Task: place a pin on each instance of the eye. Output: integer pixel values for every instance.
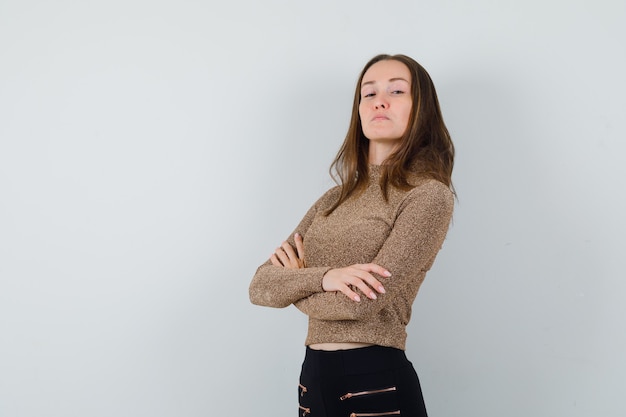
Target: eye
(398, 87)
(368, 93)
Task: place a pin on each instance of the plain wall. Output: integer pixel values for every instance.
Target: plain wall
(154, 153)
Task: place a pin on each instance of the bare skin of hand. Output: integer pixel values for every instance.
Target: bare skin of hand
(286, 257)
(358, 276)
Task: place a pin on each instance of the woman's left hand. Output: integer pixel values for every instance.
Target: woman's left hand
(287, 257)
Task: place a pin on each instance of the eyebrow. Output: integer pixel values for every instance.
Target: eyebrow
(390, 80)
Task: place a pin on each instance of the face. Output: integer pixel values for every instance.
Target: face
(386, 102)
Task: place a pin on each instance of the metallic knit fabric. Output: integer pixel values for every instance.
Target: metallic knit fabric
(403, 234)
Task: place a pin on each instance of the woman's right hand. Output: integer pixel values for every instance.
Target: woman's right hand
(359, 276)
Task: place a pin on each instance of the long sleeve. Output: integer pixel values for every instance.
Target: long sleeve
(408, 253)
(274, 286)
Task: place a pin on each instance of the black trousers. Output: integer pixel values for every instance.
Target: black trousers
(373, 381)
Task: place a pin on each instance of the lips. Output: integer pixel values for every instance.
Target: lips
(378, 117)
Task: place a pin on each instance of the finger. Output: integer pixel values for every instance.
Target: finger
(299, 245)
(350, 294)
(275, 260)
(362, 285)
(377, 269)
(367, 279)
(282, 256)
(291, 254)
(371, 281)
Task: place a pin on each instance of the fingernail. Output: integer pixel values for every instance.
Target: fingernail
(357, 298)
(387, 273)
(297, 234)
(372, 296)
(381, 289)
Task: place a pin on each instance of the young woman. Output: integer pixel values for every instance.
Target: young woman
(355, 262)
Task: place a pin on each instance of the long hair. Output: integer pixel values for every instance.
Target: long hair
(426, 141)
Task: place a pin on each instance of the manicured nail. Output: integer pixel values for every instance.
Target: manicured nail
(297, 234)
(387, 273)
(357, 298)
(372, 296)
(381, 289)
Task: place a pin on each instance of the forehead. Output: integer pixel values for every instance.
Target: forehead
(386, 70)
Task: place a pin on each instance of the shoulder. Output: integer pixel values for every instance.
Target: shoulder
(422, 181)
(429, 195)
(432, 187)
(328, 198)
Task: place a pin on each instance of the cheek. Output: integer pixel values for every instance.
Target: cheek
(361, 113)
(407, 116)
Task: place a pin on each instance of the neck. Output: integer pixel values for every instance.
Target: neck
(379, 151)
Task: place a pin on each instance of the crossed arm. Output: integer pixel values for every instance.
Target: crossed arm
(337, 293)
(336, 279)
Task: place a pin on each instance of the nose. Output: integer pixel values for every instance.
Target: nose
(381, 104)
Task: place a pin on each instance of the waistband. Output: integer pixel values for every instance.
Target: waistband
(353, 361)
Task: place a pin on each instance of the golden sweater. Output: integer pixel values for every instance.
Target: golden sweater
(402, 235)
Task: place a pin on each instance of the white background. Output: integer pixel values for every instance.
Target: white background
(153, 153)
